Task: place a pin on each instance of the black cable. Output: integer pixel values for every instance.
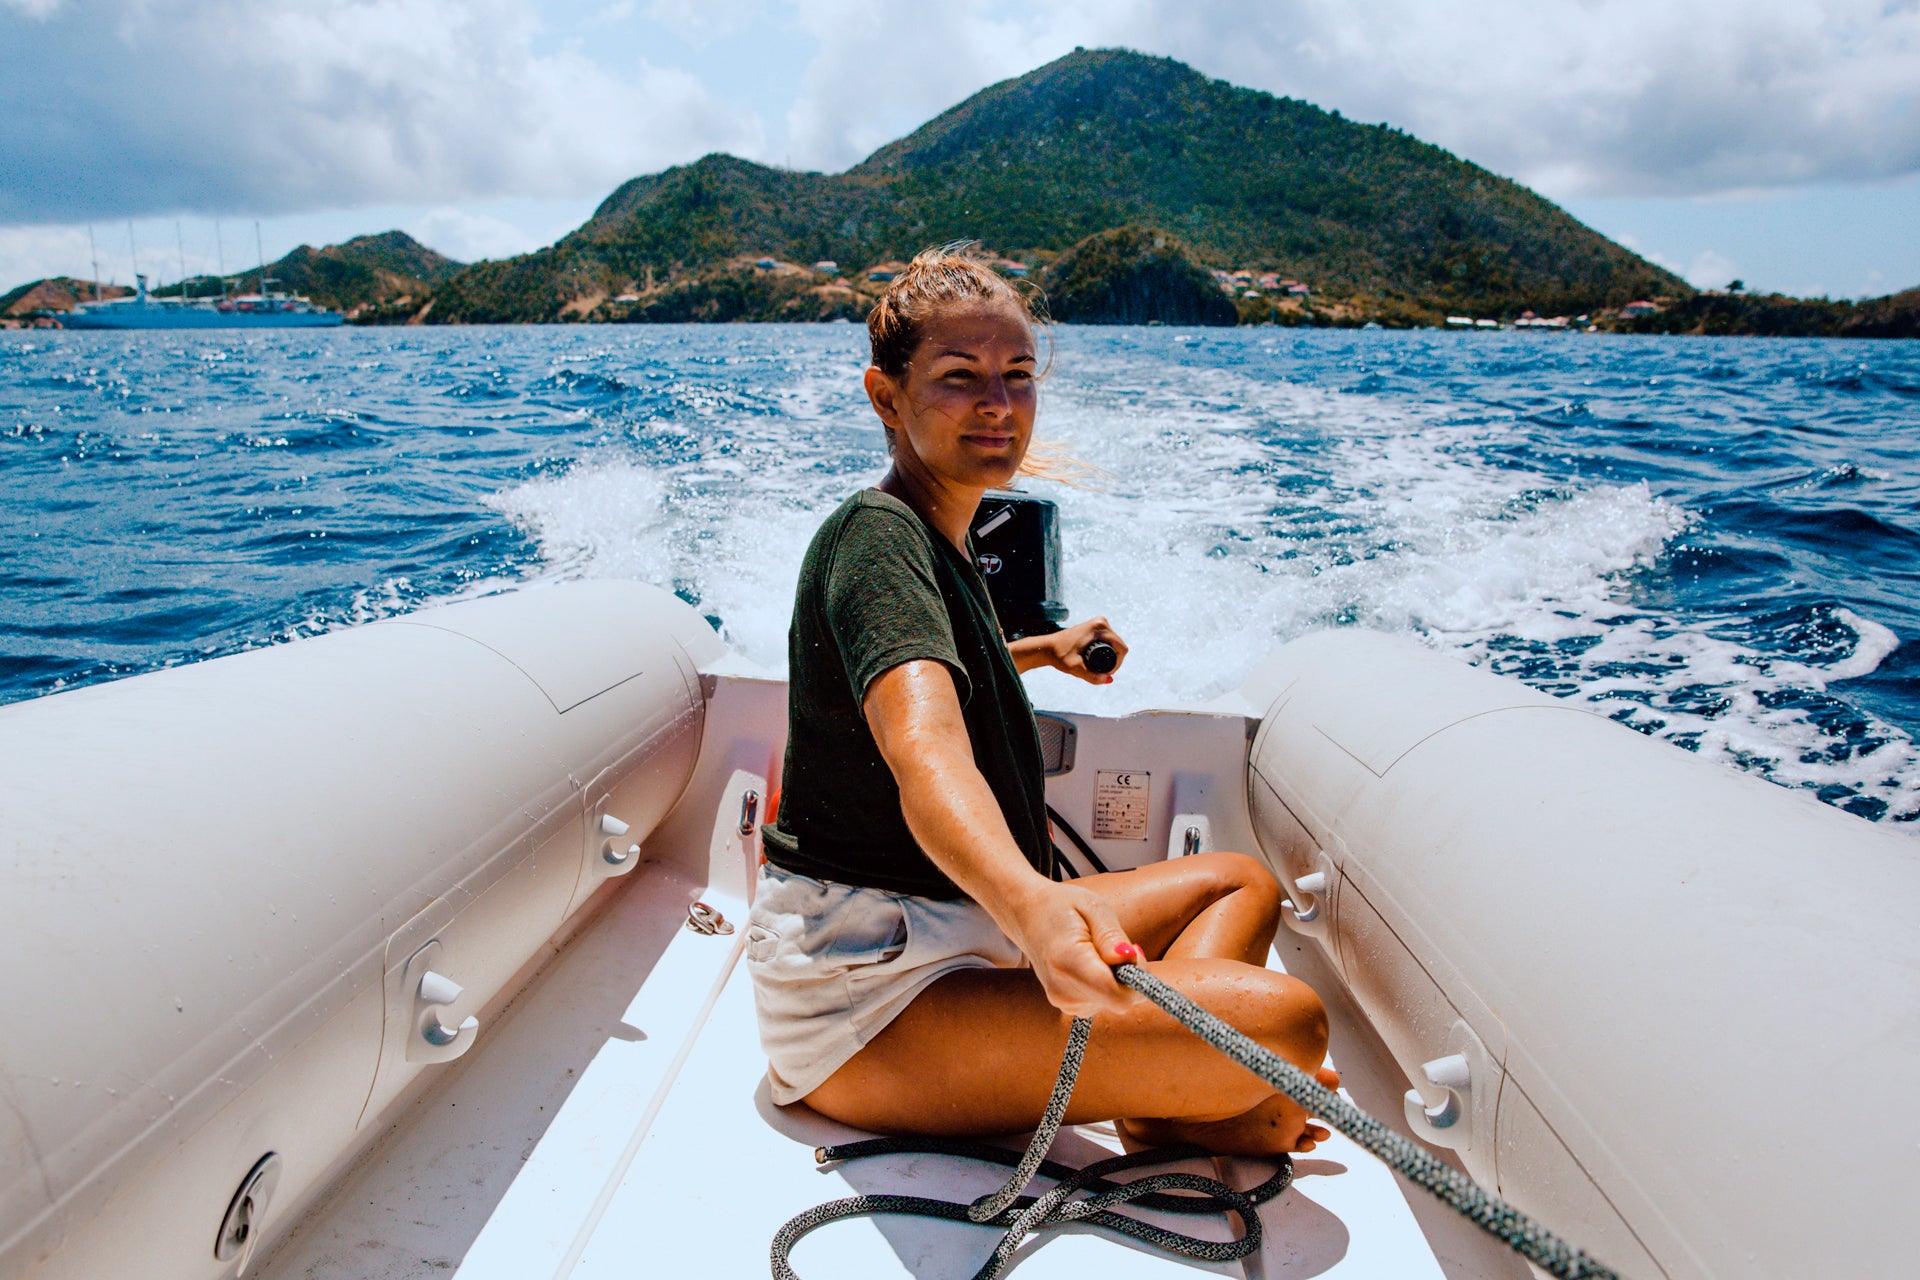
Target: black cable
(1085, 850)
(1062, 863)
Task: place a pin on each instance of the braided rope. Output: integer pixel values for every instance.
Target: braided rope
(987, 1208)
(1021, 1215)
(1490, 1213)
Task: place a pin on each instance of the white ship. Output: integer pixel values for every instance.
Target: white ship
(267, 309)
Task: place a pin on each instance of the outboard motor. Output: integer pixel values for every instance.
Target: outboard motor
(1016, 543)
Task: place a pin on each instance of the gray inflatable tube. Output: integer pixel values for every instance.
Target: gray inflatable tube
(1672, 1010)
(245, 904)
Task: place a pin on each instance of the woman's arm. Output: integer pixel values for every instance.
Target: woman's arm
(1068, 933)
(1061, 650)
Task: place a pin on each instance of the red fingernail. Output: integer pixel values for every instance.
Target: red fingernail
(1128, 951)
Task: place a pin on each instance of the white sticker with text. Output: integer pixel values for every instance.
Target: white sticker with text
(1120, 808)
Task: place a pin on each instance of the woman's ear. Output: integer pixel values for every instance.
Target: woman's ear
(884, 393)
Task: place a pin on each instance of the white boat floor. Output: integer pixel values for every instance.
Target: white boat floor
(593, 1140)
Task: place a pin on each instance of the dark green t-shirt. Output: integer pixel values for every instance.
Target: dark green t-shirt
(879, 587)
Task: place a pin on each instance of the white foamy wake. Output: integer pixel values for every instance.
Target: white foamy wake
(1242, 512)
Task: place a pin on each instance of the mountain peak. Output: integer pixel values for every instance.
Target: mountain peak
(1097, 140)
(1082, 90)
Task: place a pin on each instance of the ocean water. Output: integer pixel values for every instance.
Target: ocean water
(1716, 542)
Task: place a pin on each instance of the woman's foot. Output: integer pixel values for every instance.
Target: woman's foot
(1275, 1127)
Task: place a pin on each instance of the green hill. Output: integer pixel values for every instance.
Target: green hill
(1095, 141)
(385, 277)
(1773, 315)
(56, 293)
(1133, 275)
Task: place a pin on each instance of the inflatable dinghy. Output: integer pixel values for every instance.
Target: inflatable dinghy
(411, 950)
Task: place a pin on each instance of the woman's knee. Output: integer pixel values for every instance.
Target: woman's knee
(1289, 1018)
(1278, 1010)
(1246, 875)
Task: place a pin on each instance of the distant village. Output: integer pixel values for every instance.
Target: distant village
(1280, 293)
(1259, 297)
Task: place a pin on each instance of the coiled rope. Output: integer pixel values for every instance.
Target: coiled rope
(1021, 1215)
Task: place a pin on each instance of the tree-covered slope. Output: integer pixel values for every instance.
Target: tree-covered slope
(1095, 141)
(386, 276)
(1132, 275)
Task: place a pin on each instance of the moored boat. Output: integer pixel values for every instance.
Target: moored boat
(379, 952)
(267, 309)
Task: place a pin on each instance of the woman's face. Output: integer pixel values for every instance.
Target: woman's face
(963, 411)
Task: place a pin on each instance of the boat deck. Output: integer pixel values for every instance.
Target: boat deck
(618, 1124)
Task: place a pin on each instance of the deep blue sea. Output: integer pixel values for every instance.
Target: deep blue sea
(1714, 541)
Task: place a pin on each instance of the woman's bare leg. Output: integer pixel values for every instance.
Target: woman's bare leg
(1222, 906)
(977, 1052)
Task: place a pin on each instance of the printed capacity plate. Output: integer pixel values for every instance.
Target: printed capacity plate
(1120, 808)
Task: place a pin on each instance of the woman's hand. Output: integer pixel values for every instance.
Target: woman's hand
(1062, 650)
(1073, 940)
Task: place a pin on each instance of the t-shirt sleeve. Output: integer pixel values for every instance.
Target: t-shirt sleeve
(883, 603)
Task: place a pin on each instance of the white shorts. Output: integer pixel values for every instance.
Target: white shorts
(833, 964)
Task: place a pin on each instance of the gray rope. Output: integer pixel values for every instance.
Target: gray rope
(987, 1208)
(1490, 1213)
(1022, 1215)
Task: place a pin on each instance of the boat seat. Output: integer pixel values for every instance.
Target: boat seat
(667, 1157)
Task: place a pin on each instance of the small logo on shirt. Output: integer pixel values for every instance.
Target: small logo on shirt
(989, 564)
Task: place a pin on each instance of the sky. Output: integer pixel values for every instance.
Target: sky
(1772, 141)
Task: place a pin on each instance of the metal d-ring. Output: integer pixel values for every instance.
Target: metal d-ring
(702, 918)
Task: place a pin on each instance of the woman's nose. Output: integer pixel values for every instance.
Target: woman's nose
(995, 401)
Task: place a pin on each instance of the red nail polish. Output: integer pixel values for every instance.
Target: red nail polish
(1128, 951)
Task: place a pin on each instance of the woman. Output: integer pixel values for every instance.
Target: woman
(915, 970)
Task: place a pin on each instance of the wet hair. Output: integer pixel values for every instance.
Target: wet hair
(940, 277)
(934, 279)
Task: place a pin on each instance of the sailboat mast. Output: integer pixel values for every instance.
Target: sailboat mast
(263, 257)
(94, 253)
(180, 243)
(133, 250)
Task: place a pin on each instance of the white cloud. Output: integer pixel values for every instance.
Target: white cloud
(28, 253)
(451, 110)
(271, 105)
(1626, 97)
(1710, 269)
(884, 68)
(469, 237)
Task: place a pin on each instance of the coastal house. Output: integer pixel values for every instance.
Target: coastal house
(1270, 280)
(826, 267)
(1634, 310)
(1295, 289)
(1250, 293)
(765, 264)
(1016, 270)
(1459, 322)
(879, 275)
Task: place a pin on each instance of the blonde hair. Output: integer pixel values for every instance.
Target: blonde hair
(938, 278)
